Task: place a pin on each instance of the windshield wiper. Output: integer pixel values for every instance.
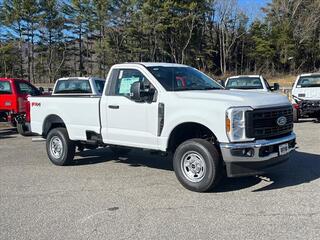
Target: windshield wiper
(197, 89)
(209, 88)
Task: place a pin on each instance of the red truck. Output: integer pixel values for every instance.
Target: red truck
(13, 100)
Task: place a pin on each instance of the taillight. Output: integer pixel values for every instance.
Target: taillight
(21, 105)
(27, 107)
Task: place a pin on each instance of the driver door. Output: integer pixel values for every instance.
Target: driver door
(128, 122)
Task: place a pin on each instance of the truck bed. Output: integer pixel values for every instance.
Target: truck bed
(79, 113)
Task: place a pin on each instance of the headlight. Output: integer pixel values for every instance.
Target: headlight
(236, 124)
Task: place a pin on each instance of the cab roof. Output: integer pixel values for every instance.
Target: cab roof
(81, 78)
(13, 79)
(248, 76)
(309, 74)
(152, 64)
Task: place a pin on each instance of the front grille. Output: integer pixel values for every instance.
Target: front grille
(309, 105)
(262, 123)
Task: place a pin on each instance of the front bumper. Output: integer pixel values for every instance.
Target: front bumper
(310, 108)
(244, 159)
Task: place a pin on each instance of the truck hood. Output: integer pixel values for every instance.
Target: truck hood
(237, 97)
(310, 93)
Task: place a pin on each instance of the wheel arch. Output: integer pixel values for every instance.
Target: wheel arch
(52, 121)
(188, 130)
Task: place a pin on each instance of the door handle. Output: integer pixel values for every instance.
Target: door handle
(114, 106)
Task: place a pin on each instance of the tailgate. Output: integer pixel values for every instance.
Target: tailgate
(7, 102)
(7, 98)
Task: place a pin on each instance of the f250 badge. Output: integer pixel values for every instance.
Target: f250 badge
(281, 121)
(35, 104)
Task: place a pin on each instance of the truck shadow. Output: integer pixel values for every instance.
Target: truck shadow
(301, 168)
(8, 133)
(311, 120)
(136, 158)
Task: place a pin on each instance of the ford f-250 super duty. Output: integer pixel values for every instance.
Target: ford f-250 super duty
(175, 109)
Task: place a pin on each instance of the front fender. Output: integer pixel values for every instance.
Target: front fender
(216, 124)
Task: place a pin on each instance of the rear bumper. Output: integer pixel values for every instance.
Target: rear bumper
(244, 159)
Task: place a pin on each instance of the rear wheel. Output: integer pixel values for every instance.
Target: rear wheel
(60, 148)
(197, 165)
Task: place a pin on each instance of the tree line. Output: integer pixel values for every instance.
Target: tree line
(42, 40)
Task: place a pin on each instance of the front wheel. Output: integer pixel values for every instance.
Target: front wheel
(60, 148)
(197, 165)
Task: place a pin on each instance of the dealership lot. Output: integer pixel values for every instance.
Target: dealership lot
(139, 197)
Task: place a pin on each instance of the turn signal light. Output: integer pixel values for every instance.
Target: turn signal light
(228, 124)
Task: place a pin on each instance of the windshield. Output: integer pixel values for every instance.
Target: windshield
(309, 81)
(5, 87)
(182, 78)
(244, 83)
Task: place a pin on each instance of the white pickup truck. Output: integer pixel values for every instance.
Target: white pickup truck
(306, 96)
(175, 109)
(250, 83)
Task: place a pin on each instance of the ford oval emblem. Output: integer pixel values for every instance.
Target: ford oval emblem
(281, 121)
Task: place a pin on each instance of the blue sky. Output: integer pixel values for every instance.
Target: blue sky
(253, 7)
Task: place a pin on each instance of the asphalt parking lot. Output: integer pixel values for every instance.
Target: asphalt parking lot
(138, 197)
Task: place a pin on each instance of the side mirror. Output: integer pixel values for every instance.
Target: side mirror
(276, 87)
(135, 91)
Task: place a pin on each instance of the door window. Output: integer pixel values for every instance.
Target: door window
(126, 78)
(100, 85)
(267, 84)
(25, 88)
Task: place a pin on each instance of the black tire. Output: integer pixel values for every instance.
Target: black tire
(67, 147)
(210, 157)
(120, 150)
(295, 115)
(22, 130)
